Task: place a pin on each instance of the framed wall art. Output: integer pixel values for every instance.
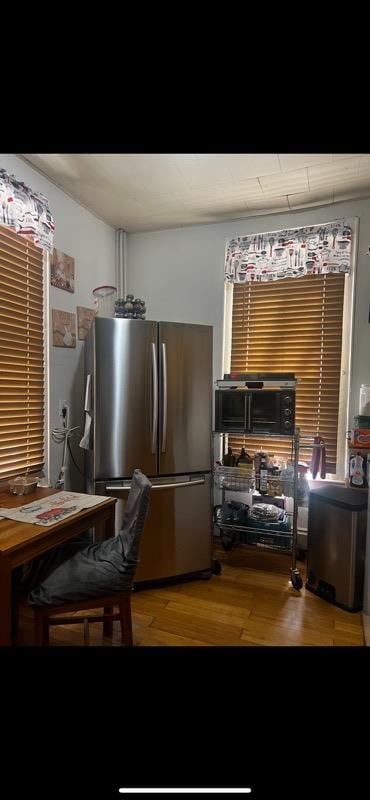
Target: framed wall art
(62, 271)
(85, 317)
(64, 328)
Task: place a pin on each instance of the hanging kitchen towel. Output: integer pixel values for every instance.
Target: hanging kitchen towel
(318, 460)
(87, 440)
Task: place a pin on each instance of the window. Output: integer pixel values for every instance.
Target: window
(21, 355)
(293, 325)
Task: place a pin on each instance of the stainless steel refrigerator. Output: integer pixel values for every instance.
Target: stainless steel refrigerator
(151, 408)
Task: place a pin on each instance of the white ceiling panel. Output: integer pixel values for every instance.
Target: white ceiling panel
(270, 205)
(299, 160)
(344, 192)
(308, 199)
(150, 191)
(206, 171)
(329, 174)
(285, 182)
(252, 165)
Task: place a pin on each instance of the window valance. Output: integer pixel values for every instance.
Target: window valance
(290, 253)
(26, 211)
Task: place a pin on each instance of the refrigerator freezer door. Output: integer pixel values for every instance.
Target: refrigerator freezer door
(185, 398)
(177, 534)
(126, 397)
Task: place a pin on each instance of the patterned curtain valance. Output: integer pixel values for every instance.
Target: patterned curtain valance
(289, 253)
(27, 211)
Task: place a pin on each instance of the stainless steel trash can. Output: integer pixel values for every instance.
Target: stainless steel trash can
(336, 544)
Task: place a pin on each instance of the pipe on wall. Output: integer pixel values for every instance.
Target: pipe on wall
(121, 262)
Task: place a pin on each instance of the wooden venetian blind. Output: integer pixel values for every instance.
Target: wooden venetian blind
(21, 355)
(293, 325)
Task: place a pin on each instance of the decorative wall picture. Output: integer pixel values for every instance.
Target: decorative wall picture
(64, 328)
(85, 317)
(62, 271)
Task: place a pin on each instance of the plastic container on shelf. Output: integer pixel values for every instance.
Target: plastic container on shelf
(104, 300)
(362, 422)
(364, 402)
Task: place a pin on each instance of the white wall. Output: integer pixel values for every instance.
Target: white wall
(179, 273)
(92, 244)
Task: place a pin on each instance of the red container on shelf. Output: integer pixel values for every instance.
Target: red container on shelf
(360, 437)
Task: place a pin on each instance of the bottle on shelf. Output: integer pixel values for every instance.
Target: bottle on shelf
(259, 458)
(229, 459)
(245, 462)
(244, 458)
(263, 474)
(358, 470)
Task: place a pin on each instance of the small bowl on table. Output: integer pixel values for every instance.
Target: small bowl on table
(23, 484)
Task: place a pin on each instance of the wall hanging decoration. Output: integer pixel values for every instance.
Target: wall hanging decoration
(290, 253)
(26, 211)
(62, 271)
(85, 317)
(64, 328)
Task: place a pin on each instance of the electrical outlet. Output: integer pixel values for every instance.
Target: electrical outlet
(63, 411)
(65, 414)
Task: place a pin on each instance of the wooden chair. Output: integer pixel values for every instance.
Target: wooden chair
(98, 577)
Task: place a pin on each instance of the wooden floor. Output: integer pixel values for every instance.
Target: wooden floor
(250, 603)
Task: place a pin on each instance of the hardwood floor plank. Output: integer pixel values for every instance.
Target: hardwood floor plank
(208, 603)
(207, 614)
(150, 637)
(283, 633)
(204, 630)
(142, 620)
(341, 640)
(251, 603)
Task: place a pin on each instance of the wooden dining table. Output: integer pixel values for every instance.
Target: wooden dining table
(21, 541)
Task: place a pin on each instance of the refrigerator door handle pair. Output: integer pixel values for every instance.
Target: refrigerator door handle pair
(155, 397)
(164, 417)
(179, 485)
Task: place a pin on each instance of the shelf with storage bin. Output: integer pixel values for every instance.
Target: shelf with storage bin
(269, 535)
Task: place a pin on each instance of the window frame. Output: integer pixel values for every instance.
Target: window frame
(46, 361)
(346, 354)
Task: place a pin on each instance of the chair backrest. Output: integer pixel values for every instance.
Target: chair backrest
(134, 519)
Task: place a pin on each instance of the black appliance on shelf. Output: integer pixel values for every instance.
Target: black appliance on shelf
(256, 403)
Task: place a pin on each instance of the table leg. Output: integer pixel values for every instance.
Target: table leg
(5, 603)
(108, 533)
(109, 527)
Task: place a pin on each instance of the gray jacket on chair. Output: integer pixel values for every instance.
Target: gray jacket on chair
(103, 568)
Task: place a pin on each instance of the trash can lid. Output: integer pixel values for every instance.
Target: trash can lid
(343, 496)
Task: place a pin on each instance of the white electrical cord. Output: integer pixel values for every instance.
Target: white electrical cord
(61, 436)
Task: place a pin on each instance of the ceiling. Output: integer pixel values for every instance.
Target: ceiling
(144, 192)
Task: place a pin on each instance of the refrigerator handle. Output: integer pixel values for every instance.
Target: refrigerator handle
(183, 484)
(179, 485)
(164, 391)
(155, 398)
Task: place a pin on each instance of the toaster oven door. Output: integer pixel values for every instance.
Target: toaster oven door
(232, 411)
(266, 412)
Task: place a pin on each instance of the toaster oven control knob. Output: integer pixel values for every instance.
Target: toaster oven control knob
(287, 401)
(287, 427)
(287, 412)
